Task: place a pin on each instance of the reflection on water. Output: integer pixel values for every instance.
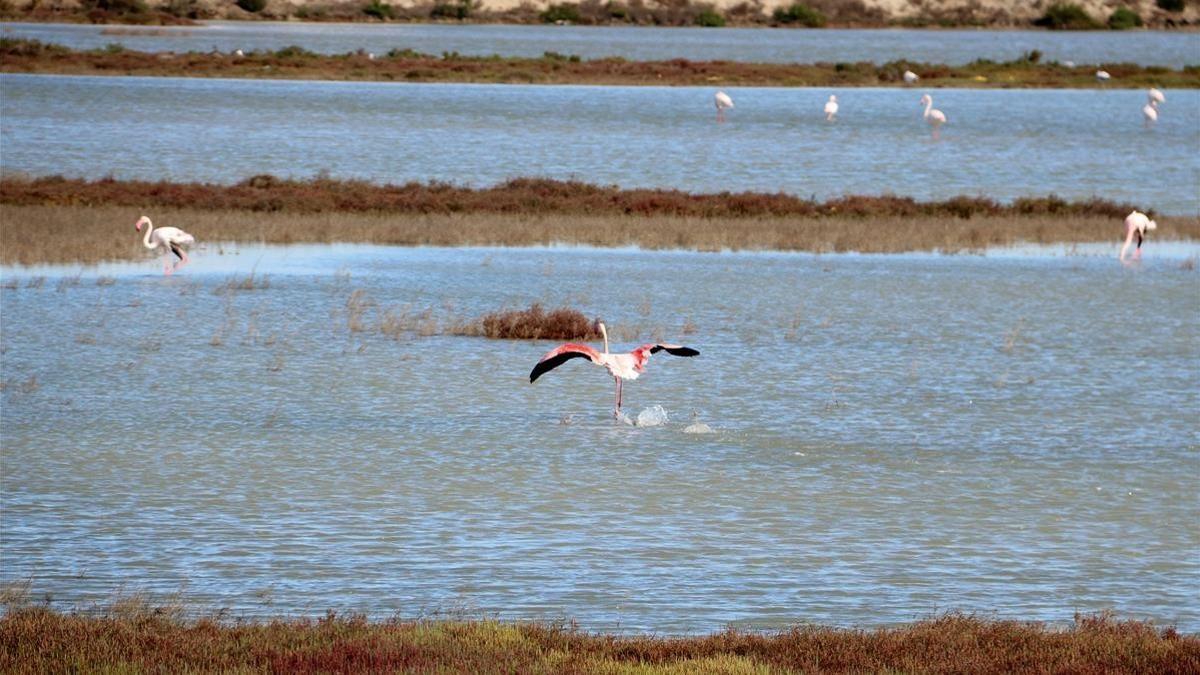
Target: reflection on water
(892, 436)
(998, 143)
(1174, 49)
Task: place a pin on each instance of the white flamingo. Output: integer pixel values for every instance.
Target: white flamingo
(935, 118)
(1150, 113)
(1155, 95)
(831, 108)
(1102, 76)
(621, 366)
(910, 77)
(1136, 225)
(722, 101)
(170, 239)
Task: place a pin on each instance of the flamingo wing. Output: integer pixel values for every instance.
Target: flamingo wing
(560, 355)
(673, 350)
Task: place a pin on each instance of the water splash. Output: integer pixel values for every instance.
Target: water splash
(698, 428)
(653, 416)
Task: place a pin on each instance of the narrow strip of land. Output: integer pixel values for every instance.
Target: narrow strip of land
(56, 220)
(140, 639)
(403, 65)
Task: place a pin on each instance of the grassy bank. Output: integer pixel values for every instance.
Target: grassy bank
(138, 639)
(55, 220)
(403, 65)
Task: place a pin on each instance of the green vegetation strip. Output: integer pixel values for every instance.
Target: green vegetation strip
(405, 65)
(136, 639)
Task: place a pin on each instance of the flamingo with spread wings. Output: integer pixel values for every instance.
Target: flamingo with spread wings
(625, 366)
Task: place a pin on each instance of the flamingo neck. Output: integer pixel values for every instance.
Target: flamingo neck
(928, 107)
(146, 239)
(604, 333)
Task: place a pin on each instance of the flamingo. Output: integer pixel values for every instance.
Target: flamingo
(910, 77)
(1150, 113)
(936, 118)
(1102, 76)
(620, 366)
(722, 101)
(1136, 224)
(170, 238)
(831, 108)
(1155, 95)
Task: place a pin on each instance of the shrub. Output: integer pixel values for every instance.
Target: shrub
(710, 18)
(293, 52)
(460, 9)
(252, 6)
(537, 324)
(1123, 19)
(1066, 16)
(801, 14)
(1170, 5)
(561, 12)
(379, 10)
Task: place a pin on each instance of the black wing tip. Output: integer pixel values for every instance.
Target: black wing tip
(675, 351)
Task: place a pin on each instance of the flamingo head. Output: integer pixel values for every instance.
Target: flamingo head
(926, 100)
(833, 98)
(1151, 225)
(141, 221)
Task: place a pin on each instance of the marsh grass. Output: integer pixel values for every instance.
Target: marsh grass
(250, 282)
(31, 56)
(536, 323)
(135, 636)
(77, 234)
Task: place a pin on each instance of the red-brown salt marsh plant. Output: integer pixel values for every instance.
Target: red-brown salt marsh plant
(536, 323)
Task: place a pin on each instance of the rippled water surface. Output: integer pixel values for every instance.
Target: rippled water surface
(640, 43)
(998, 143)
(893, 436)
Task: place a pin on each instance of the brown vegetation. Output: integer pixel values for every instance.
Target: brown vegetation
(137, 638)
(536, 323)
(61, 225)
(31, 56)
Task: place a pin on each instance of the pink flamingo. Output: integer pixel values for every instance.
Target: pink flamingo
(620, 366)
(1136, 225)
(936, 118)
(722, 101)
(1150, 113)
(831, 108)
(170, 239)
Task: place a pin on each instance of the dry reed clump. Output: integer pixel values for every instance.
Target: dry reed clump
(138, 638)
(536, 323)
(17, 55)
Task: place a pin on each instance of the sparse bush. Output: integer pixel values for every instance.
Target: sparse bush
(710, 18)
(1066, 16)
(537, 324)
(379, 10)
(252, 6)
(459, 9)
(1031, 56)
(801, 14)
(1171, 5)
(561, 12)
(1123, 19)
(289, 52)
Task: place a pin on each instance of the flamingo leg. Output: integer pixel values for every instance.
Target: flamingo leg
(183, 256)
(617, 400)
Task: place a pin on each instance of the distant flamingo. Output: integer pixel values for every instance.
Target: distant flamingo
(170, 239)
(620, 366)
(1155, 95)
(936, 118)
(1136, 225)
(722, 101)
(1150, 113)
(1102, 76)
(831, 108)
(910, 77)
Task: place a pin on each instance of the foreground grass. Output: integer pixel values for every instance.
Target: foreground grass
(31, 56)
(136, 639)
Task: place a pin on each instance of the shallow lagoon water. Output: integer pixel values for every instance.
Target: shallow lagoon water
(998, 143)
(1174, 49)
(894, 436)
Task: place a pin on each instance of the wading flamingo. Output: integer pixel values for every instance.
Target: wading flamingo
(1150, 113)
(170, 239)
(1136, 225)
(620, 366)
(722, 101)
(936, 118)
(910, 77)
(831, 108)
